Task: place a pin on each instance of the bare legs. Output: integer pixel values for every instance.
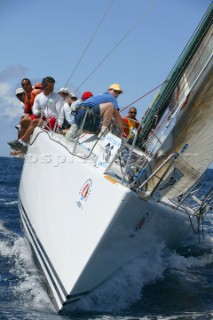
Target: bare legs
(108, 111)
(34, 123)
(24, 125)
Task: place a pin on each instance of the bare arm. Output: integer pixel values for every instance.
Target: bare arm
(118, 120)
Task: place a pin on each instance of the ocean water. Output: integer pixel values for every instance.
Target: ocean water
(163, 285)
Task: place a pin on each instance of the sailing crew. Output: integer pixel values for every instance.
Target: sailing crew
(47, 110)
(130, 123)
(74, 106)
(20, 94)
(73, 103)
(100, 106)
(38, 86)
(31, 93)
(65, 95)
(27, 95)
(86, 95)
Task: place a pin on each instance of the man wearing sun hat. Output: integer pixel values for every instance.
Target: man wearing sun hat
(101, 106)
(63, 90)
(72, 105)
(21, 94)
(68, 107)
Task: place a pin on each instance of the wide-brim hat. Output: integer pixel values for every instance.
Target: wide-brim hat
(63, 90)
(73, 95)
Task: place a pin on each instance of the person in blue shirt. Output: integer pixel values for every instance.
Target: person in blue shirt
(103, 106)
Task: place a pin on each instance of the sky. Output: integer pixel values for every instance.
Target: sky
(87, 45)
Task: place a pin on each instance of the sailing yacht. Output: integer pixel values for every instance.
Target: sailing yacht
(87, 212)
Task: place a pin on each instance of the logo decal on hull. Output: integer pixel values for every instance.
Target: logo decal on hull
(139, 224)
(84, 193)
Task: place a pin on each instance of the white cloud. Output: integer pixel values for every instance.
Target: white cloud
(11, 72)
(9, 104)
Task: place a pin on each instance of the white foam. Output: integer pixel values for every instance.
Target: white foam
(124, 288)
(118, 293)
(28, 288)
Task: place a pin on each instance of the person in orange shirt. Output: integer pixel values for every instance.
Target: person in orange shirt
(28, 103)
(130, 122)
(30, 95)
(28, 100)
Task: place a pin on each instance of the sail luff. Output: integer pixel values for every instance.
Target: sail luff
(194, 129)
(159, 106)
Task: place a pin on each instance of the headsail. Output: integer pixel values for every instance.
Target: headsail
(193, 129)
(184, 113)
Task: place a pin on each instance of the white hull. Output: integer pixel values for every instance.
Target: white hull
(83, 225)
(79, 237)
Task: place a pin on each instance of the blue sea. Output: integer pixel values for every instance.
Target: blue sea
(162, 285)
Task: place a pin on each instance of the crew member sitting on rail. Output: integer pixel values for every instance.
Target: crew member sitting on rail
(47, 110)
(130, 122)
(74, 103)
(101, 106)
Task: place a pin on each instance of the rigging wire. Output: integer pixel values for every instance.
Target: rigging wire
(143, 96)
(118, 43)
(89, 43)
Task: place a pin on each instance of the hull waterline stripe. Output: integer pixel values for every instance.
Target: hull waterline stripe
(42, 253)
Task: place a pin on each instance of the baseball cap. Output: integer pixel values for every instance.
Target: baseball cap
(19, 91)
(116, 86)
(86, 95)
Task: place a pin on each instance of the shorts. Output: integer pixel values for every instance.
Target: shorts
(93, 119)
(51, 124)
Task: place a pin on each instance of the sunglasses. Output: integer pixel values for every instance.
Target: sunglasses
(117, 91)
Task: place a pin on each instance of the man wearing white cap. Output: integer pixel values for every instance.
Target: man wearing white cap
(64, 92)
(67, 108)
(21, 94)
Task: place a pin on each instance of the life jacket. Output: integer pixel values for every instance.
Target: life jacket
(128, 125)
(29, 100)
